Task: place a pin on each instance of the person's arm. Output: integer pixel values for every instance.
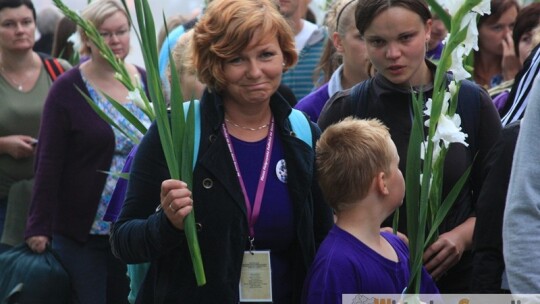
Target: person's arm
(521, 225)
(488, 262)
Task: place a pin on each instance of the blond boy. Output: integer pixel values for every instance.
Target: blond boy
(358, 172)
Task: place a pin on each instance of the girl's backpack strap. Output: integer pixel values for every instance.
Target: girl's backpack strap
(52, 66)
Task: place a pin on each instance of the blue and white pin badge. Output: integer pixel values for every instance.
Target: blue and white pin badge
(281, 171)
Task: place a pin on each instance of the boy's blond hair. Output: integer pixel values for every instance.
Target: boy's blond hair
(350, 154)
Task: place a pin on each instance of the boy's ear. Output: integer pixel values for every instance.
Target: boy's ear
(381, 183)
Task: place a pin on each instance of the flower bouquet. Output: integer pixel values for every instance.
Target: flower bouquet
(426, 153)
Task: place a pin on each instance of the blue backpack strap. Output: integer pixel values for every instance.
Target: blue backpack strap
(197, 139)
(301, 127)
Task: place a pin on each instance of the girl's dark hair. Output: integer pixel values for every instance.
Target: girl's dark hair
(498, 7)
(62, 48)
(367, 10)
(16, 3)
(527, 19)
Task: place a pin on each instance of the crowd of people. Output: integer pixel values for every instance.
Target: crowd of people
(304, 136)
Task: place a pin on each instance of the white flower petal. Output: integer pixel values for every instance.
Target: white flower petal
(449, 131)
(452, 6)
(456, 67)
(75, 39)
(483, 8)
(423, 148)
(452, 87)
(429, 104)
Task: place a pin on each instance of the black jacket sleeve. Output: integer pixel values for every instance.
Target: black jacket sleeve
(488, 262)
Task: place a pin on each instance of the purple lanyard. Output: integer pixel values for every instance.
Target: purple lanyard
(253, 215)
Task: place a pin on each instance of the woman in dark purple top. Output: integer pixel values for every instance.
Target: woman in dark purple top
(76, 147)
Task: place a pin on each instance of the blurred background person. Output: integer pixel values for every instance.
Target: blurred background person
(496, 60)
(46, 21)
(344, 62)
(76, 148)
(191, 87)
(310, 40)
(24, 83)
(526, 36)
(435, 43)
(172, 23)
(62, 46)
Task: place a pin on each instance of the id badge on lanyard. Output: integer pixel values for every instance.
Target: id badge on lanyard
(256, 277)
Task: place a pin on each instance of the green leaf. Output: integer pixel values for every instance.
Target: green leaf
(412, 192)
(106, 117)
(447, 204)
(116, 174)
(171, 130)
(127, 114)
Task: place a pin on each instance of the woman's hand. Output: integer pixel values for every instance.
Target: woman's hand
(448, 249)
(38, 243)
(176, 201)
(510, 64)
(17, 146)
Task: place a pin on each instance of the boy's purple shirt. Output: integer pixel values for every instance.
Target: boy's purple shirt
(119, 193)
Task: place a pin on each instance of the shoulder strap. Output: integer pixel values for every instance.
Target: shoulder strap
(359, 97)
(301, 127)
(52, 66)
(197, 138)
(469, 109)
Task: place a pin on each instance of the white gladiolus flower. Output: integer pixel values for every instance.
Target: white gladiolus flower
(452, 88)
(436, 152)
(452, 6)
(471, 41)
(449, 131)
(483, 8)
(457, 69)
(75, 39)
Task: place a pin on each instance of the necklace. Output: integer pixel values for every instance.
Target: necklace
(247, 128)
(19, 85)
